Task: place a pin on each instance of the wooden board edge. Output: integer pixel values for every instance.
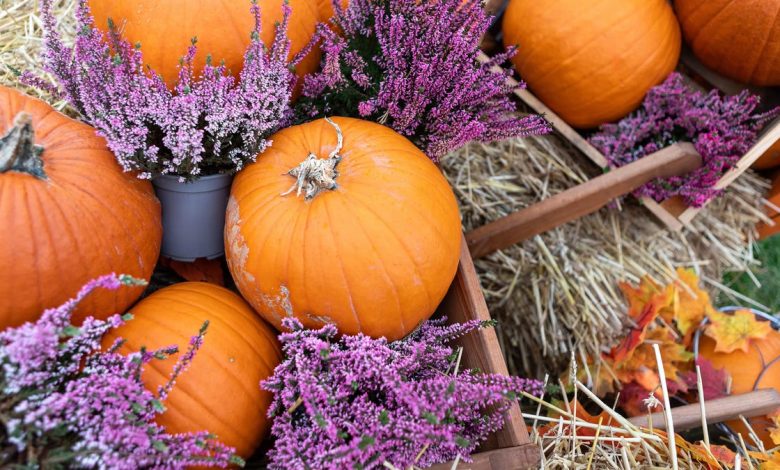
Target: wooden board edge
(526, 456)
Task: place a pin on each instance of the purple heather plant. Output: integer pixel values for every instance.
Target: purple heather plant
(358, 402)
(721, 128)
(207, 124)
(414, 66)
(65, 403)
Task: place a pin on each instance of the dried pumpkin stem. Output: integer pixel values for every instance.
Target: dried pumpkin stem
(314, 174)
(18, 151)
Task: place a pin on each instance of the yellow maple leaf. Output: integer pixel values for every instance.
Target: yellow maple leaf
(732, 331)
(774, 431)
(691, 303)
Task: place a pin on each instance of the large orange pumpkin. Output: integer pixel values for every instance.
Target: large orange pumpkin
(753, 370)
(737, 38)
(223, 28)
(220, 391)
(592, 62)
(375, 253)
(68, 214)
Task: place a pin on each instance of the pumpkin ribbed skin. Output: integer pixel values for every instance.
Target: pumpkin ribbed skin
(376, 255)
(220, 391)
(86, 219)
(758, 368)
(737, 38)
(592, 62)
(165, 29)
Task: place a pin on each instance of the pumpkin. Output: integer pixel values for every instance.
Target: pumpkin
(736, 38)
(68, 214)
(371, 247)
(592, 62)
(756, 369)
(220, 391)
(223, 28)
(770, 158)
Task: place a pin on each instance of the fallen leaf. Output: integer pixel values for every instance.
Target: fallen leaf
(645, 303)
(692, 304)
(713, 380)
(732, 331)
(200, 270)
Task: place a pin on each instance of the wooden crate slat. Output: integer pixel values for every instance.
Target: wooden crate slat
(481, 349)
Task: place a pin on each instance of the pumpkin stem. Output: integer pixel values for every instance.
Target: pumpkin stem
(18, 151)
(316, 174)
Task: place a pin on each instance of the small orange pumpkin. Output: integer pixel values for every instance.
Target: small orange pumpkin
(372, 248)
(756, 369)
(592, 62)
(165, 28)
(220, 391)
(737, 38)
(68, 214)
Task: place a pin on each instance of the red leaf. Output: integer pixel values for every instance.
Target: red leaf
(713, 380)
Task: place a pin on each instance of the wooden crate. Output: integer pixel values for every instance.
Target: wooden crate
(673, 213)
(510, 448)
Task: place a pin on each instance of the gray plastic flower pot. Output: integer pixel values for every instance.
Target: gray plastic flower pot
(193, 216)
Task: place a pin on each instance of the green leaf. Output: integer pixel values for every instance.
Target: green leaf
(158, 406)
(71, 330)
(431, 418)
(384, 417)
(366, 441)
(160, 445)
(462, 441)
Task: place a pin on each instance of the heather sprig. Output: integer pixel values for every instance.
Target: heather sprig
(722, 128)
(65, 403)
(414, 67)
(209, 123)
(357, 402)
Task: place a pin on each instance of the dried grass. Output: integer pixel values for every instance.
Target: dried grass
(557, 294)
(20, 41)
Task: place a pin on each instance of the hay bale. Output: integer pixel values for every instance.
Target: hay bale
(21, 42)
(557, 294)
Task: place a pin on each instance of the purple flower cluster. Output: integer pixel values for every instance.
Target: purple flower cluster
(213, 123)
(358, 402)
(65, 403)
(721, 128)
(414, 66)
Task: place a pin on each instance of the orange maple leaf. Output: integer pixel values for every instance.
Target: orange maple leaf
(774, 431)
(732, 331)
(645, 303)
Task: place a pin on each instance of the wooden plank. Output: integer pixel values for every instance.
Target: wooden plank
(581, 200)
(481, 349)
(756, 403)
(510, 458)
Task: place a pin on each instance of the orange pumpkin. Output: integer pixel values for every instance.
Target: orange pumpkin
(770, 158)
(756, 369)
(165, 28)
(373, 253)
(737, 38)
(68, 214)
(220, 391)
(592, 62)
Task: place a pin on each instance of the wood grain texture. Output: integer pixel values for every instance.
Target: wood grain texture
(757, 403)
(581, 200)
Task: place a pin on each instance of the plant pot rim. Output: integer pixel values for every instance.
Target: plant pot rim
(200, 185)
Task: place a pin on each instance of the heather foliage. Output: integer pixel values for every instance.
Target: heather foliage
(358, 402)
(413, 66)
(721, 128)
(67, 404)
(211, 123)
